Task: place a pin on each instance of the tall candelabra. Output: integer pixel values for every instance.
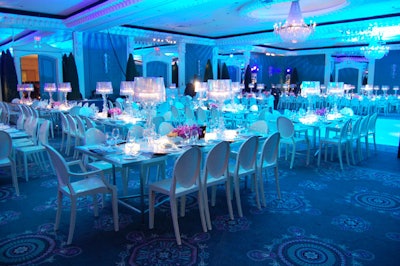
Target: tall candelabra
(104, 88)
(149, 91)
(50, 88)
(219, 90)
(127, 88)
(65, 87)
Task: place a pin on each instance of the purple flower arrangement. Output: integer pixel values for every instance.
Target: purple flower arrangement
(115, 111)
(321, 112)
(185, 131)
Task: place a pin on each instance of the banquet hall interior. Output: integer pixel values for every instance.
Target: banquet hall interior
(199, 132)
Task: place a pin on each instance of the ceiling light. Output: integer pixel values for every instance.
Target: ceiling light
(294, 29)
(375, 50)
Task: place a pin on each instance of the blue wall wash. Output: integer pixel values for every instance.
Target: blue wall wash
(105, 60)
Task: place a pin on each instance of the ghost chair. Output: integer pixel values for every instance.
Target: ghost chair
(91, 183)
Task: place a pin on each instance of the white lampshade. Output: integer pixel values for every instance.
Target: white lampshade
(219, 89)
(127, 88)
(20, 87)
(149, 90)
(104, 87)
(64, 87)
(50, 87)
(28, 87)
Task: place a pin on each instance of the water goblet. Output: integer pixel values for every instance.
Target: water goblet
(115, 135)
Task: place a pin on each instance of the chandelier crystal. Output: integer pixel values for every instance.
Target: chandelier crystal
(376, 49)
(294, 30)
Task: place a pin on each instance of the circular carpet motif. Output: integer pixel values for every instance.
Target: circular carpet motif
(224, 223)
(298, 249)
(379, 201)
(350, 223)
(8, 216)
(26, 249)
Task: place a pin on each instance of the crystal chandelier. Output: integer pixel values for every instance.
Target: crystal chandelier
(294, 29)
(375, 50)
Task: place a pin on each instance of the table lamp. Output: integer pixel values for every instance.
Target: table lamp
(149, 91)
(29, 88)
(65, 87)
(128, 88)
(104, 88)
(50, 88)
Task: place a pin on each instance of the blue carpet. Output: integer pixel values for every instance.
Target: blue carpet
(325, 217)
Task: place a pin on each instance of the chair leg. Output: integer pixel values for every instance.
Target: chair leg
(174, 214)
(237, 195)
(340, 156)
(152, 199)
(25, 159)
(293, 155)
(254, 178)
(14, 178)
(207, 209)
(261, 185)
(278, 189)
(114, 201)
(229, 198)
(200, 201)
(72, 220)
(59, 210)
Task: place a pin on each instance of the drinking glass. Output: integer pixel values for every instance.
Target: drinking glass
(194, 136)
(115, 135)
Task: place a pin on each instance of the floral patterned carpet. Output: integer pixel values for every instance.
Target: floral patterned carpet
(325, 217)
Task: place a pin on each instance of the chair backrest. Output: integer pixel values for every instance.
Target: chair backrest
(285, 127)
(201, 116)
(189, 114)
(372, 122)
(6, 145)
(72, 126)
(80, 126)
(165, 128)
(167, 116)
(157, 120)
(259, 126)
(94, 136)
(20, 122)
(247, 154)
(43, 133)
(364, 125)
(186, 169)
(60, 166)
(64, 122)
(89, 122)
(217, 161)
(75, 110)
(344, 130)
(136, 131)
(355, 128)
(270, 149)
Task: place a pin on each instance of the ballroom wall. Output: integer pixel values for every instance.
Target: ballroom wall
(196, 60)
(387, 70)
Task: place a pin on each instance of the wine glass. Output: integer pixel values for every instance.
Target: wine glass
(186, 133)
(115, 135)
(194, 136)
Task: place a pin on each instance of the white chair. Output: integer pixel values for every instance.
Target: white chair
(165, 128)
(72, 132)
(91, 184)
(354, 136)
(371, 131)
(259, 126)
(6, 158)
(290, 136)
(215, 173)
(243, 166)
(64, 131)
(339, 141)
(185, 180)
(35, 151)
(362, 134)
(268, 160)
(80, 133)
(201, 116)
(156, 121)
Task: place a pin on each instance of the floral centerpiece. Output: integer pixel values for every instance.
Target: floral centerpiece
(212, 106)
(184, 131)
(114, 111)
(321, 112)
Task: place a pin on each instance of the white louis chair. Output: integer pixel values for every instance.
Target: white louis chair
(339, 141)
(290, 136)
(268, 160)
(185, 180)
(6, 158)
(215, 172)
(36, 152)
(91, 184)
(243, 166)
(165, 128)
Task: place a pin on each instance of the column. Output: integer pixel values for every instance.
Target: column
(328, 69)
(78, 54)
(181, 67)
(214, 62)
(371, 71)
